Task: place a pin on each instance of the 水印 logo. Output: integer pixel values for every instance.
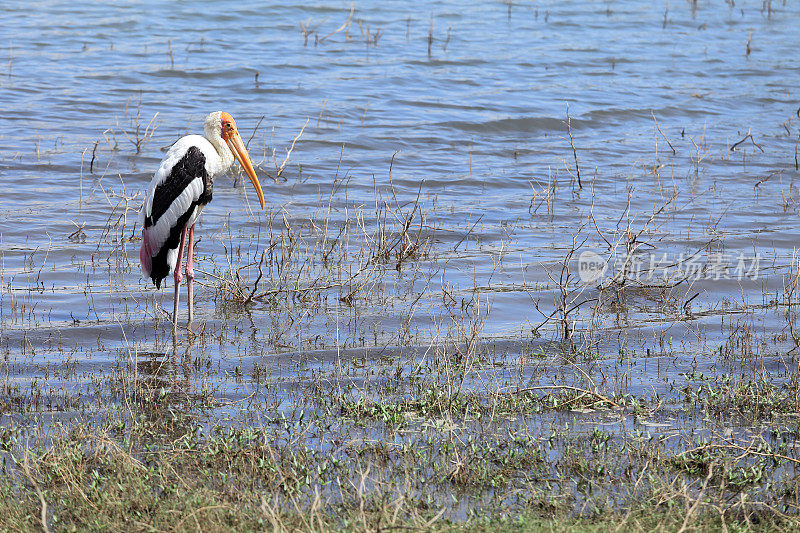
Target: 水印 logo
(591, 266)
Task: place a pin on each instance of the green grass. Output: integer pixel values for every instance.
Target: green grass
(132, 476)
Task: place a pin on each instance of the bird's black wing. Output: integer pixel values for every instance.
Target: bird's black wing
(163, 226)
(190, 167)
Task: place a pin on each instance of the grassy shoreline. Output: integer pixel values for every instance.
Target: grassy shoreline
(432, 461)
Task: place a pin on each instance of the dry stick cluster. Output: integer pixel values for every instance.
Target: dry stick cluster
(568, 297)
(370, 37)
(626, 247)
(308, 261)
(574, 151)
(134, 132)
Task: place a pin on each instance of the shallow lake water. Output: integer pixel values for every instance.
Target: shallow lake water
(488, 143)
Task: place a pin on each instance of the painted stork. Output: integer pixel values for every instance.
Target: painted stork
(179, 190)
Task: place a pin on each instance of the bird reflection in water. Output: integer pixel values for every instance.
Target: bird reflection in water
(166, 402)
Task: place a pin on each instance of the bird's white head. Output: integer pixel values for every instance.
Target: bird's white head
(220, 129)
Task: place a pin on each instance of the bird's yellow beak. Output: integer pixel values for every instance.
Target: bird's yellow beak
(240, 153)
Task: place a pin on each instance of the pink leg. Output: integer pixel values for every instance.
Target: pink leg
(190, 273)
(178, 279)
